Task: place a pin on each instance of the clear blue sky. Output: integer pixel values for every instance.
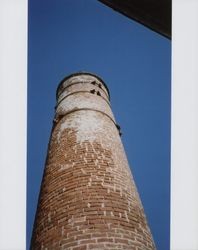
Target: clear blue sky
(66, 36)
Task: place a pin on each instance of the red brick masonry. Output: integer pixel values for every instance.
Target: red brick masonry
(88, 198)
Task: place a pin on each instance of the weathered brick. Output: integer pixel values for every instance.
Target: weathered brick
(80, 247)
(88, 199)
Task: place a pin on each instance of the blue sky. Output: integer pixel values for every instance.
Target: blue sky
(68, 36)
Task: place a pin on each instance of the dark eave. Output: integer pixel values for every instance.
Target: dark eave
(154, 14)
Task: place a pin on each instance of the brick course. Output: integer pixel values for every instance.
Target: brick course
(88, 198)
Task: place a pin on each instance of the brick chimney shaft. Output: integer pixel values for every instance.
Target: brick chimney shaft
(88, 198)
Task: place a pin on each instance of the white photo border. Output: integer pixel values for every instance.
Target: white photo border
(13, 126)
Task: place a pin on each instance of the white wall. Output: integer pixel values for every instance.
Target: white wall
(13, 84)
(184, 161)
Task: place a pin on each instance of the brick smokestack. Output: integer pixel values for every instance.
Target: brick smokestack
(88, 198)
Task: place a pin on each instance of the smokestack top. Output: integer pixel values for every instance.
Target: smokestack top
(81, 73)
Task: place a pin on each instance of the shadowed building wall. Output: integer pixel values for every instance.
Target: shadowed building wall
(88, 198)
(154, 14)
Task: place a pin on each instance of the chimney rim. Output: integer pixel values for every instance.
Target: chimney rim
(77, 74)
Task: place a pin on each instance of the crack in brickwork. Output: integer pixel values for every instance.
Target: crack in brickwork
(88, 198)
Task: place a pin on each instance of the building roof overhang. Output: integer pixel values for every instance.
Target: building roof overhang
(154, 14)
